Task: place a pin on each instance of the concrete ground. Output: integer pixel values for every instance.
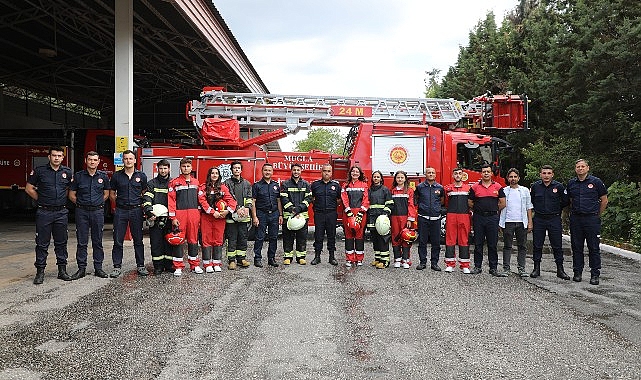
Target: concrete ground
(314, 322)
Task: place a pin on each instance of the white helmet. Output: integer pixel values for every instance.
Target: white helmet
(159, 210)
(236, 217)
(295, 223)
(383, 225)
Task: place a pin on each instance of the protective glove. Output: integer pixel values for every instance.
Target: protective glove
(349, 213)
(296, 210)
(359, 217)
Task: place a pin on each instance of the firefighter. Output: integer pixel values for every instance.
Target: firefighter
(127, 188)
(267, 215)
(429, 198)
(403, 216)
(549, 199)
(48, 185)
(355, 199)
(588, 200)
(326, 194)
(295, 196)
(89, 191)
(380, 203)
(216, 203)
(457, 223)
(156, 194)
(183, 210)
(237, 228)
(486, 198)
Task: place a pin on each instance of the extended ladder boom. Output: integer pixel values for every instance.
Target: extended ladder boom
(293, 112)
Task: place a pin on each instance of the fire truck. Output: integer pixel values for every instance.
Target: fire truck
(23, 154)
(383, 134)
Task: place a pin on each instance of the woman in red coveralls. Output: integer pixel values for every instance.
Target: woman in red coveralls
(216, 203)
(403, 215)
(356, 201)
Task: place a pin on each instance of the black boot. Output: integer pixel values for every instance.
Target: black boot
(80, 273)
(317, 258)
(332, 259)
(272, 262)
(560, 273)
(62, 273)
(577, 276)
(40, 276)
(537, 270)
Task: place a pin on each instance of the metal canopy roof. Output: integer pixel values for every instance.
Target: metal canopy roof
(65, 49)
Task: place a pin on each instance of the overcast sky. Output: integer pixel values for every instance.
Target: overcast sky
(372, 48)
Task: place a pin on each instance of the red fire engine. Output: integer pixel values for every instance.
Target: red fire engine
(384, 134)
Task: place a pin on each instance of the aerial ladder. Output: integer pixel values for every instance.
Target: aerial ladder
(280, 115)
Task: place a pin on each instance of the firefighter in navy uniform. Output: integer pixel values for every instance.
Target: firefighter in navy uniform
(295, 196)
(549, 199)
(588, 199)
(429, 197)
(48, 185)
(266, 215)
(237, 228)
(89, 191)
(156, 194)
(127, 187)
(326, 194)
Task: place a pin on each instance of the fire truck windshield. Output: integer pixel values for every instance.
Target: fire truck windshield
(473, 156)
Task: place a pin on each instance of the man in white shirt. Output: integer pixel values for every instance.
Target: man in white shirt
(515, 220)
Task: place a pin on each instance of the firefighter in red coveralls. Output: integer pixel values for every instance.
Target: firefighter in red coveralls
(403, 216)
(183, 210)
(457, 224)
(356, 202)
(216, 203)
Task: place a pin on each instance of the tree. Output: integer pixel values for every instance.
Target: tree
(326, 139)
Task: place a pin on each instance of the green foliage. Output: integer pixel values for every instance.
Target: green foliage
(622, 217)
(432, 83)
(325, 139)
(561, 154)
(579, 63)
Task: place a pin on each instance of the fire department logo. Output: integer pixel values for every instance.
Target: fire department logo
(464, 177)
(137, 179)
(555, 190)
(99, 180)
(64, 175)
(225, 171)
(16, 163)
(398, 154)
(590, 185)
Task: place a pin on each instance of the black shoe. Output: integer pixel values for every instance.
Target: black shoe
(62, 273)
(258, 263)
(332, 261)
(80, 273)
(594, 280)
(40, 276)
(98, 272)
(537, 270)
(477, 270)
(272, 262)
(577, 277)
(316, 260)
(435, 267)
(495, 272)
(560, 273)
(158, 271)
(421, 266)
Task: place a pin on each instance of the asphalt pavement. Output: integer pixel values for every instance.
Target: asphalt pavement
(315, 322)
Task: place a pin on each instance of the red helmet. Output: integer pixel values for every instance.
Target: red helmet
(221, 205)
(351, 223)
(408, 235)
(175, 237)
